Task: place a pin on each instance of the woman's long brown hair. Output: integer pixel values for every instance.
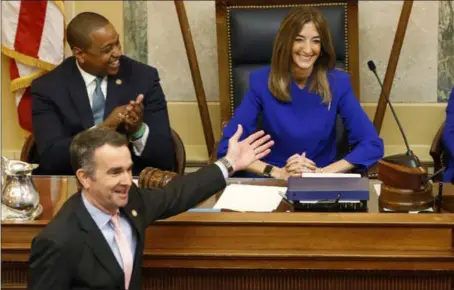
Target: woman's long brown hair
(282, 61)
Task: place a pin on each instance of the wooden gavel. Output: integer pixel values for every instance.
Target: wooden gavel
(152, 177)
(404, 188)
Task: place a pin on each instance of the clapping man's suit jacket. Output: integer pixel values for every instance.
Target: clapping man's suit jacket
(61, 109)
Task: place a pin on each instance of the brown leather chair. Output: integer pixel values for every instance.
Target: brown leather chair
(28, 152)
(437, 152)
(180, 153)
(439, 156)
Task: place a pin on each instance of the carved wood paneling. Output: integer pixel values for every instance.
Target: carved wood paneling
(203, 279)
(14, 276)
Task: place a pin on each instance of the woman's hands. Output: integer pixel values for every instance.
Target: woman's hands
(297, 164)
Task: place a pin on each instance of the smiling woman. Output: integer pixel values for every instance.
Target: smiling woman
(298, 99)
(311, 42)
(305, 51)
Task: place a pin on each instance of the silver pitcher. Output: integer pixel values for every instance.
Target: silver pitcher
(20, 199)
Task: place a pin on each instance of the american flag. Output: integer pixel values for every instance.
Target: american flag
(33, 35)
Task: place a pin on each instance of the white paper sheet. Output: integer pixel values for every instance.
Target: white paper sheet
(377, 188)
(256, 198)
(340, 201)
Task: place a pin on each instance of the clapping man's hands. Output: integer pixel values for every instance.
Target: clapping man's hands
(131, 115)
(116, 117)
(134, 115)
(253, 148)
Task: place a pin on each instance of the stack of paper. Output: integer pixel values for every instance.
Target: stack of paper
(256, 198)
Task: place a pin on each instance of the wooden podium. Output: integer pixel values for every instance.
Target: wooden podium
(282, 250)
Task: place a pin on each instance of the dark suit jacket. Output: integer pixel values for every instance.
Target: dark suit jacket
(61, 109)
(72, 253)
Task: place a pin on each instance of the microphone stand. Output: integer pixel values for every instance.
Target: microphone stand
(406, 186)
(408, 159)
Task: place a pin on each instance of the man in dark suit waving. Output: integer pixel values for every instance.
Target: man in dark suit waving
(97, 238)
(98, 85)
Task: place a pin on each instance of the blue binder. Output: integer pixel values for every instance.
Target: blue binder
(327, 188)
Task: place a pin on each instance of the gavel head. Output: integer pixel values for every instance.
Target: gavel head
(155, 178)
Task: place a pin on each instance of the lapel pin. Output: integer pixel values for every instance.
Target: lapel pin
(118, 81)
(134, 213)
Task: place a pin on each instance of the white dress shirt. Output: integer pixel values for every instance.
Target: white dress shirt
(224, 170)
(90, 83)
(103, 221)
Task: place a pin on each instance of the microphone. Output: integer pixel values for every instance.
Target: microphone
(408, 159)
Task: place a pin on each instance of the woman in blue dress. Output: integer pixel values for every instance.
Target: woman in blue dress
(299, 96)
(448, 140)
